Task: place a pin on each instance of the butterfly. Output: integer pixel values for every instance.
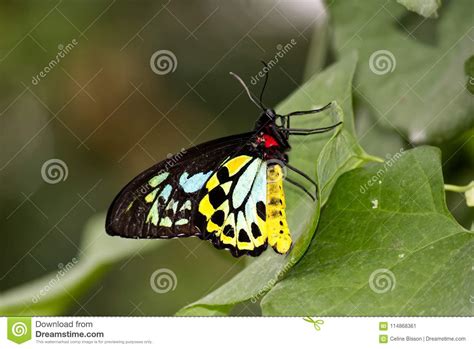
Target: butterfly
(228, 190)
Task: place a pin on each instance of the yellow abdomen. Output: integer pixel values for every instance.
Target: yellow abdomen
(279, 236)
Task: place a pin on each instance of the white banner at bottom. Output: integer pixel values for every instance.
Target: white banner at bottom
(236, 332)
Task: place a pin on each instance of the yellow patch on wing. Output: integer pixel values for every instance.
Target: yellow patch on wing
(205, 207)
(212, 182)
(235, 164)
(279, 236)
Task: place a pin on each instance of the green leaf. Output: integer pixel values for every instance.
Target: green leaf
(54, 292)
(469, 66)
(319, 42)
(373, 138)
(469, 71)
(324, 157)
(386, 245)
(413, 85)
(426, 8)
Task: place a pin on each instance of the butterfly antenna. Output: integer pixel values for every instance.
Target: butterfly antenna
(265, 82)
(247, 90)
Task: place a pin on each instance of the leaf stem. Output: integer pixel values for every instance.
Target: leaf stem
(459, 189)
(370, 158)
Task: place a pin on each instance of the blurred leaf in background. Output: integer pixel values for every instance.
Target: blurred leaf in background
(54, 293)
(412, 68)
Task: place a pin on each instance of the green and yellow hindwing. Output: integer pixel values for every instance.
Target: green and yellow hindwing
(244, 207)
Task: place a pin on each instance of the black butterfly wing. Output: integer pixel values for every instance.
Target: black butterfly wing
(162, 202)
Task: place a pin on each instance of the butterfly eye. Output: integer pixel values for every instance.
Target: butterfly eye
(280, 120)
(270, 114)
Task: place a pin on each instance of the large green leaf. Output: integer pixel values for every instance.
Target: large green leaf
(324, 157)
(386, 245)
(411, 69)
(53, 293)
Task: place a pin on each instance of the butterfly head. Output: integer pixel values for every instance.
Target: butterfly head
(269, 118)
(270, 130)
(270, 114)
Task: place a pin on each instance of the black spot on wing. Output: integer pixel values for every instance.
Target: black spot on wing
(228, 231)
(223, 174)
(261, 210)
(243, 236)
(218, 217)
(200, 223)
(255, 230)
(161, 201)
(216, 196)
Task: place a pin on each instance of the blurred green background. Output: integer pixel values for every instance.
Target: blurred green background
(108, 116)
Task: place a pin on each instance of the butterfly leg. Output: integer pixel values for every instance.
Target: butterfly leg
(304, 112)
(305, 132)
(304, 175)
(313, 111)
(296, 184)
(310, 131)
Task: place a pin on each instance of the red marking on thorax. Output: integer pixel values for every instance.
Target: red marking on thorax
(270, 141)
